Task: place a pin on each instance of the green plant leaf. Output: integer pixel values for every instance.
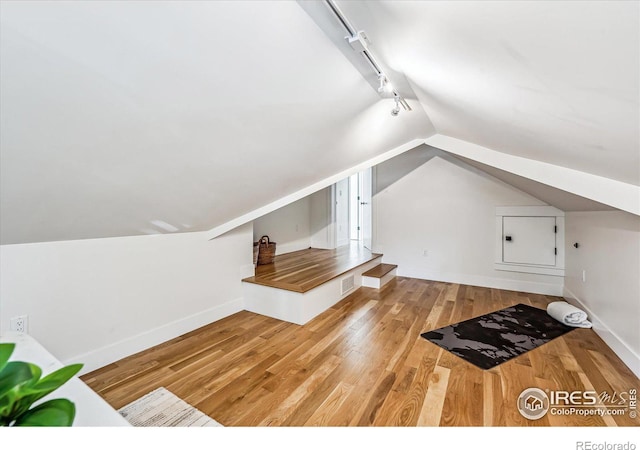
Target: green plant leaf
(21, 386)
(19, 400)
(17, 373)
(52, 382)
(58, 412)
(5, 353)
(56, 379)
(16, 380)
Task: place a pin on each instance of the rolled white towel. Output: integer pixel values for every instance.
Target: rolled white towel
(568, 314)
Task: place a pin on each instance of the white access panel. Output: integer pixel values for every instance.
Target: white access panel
(529, 240)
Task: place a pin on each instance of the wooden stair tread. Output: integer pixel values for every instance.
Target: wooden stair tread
(380, 270)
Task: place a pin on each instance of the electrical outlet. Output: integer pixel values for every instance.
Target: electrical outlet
(584, 275)
(20, 324)
(425, 253)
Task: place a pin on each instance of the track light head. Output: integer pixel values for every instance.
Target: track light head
(396, 110)
(385, 86)
(383, 81)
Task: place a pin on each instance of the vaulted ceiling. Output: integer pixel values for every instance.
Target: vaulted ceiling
(129, 118)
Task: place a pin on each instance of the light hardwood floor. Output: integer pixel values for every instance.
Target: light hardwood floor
(364, 363)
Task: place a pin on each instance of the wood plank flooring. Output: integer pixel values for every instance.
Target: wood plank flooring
(306, 269)
(363, 363)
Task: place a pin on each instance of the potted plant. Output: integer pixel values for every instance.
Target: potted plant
(21, 385)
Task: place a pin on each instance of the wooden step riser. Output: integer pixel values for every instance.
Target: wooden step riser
(377, 283)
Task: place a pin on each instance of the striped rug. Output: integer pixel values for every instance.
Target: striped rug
(161, 408)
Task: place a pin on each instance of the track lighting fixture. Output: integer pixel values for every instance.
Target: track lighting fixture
(385, 85)
(359, 42)
(396, 109)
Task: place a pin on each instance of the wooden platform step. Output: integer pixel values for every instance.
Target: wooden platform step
(379, 275)
(308, 269)
(298, 286)
(380, 270)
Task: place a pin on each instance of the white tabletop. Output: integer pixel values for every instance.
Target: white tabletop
(91, 409)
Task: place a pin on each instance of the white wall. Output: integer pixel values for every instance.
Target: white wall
(288, 227)
(447, 208)
(322, 220)
(96, 301)
(308, 222)
(609, 253)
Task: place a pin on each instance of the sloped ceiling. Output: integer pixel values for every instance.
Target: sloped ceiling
(392, 170)
(553, 81)
(129, 118)
(562, 200)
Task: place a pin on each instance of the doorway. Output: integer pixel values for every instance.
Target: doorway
(360, 188)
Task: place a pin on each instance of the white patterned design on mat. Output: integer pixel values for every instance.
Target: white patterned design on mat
(161, 408)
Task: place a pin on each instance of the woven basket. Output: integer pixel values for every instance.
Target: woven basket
(266, 250)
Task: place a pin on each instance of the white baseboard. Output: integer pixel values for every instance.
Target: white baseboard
(490, 282)
(113, 352)
(619, 347)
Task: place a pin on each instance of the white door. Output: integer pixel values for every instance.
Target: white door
(365, 202)
(529, 240)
